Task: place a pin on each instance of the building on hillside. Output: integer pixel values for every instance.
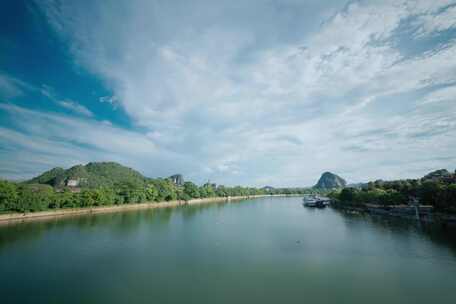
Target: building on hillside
(177, 179)
(72, 183)
(75, 182)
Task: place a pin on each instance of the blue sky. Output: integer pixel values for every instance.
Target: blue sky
(237, 92)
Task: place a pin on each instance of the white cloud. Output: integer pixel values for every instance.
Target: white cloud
(75, 107)
(434, 23)
(234, 87)
(48, 92)
(11, 87)
(80, 131)
(112, 100)
(446, 94)
(47, 139)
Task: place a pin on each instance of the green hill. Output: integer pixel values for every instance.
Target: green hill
(92, 175)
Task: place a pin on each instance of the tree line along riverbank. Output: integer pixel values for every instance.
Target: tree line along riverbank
(13, 217)
(431, 198)
(111, 184)
(16, 197)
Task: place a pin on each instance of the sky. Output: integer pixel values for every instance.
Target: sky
(261, 92)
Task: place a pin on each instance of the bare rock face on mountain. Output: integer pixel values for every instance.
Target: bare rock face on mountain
(330, 180)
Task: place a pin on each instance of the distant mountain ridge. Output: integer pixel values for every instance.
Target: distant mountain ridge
(92, 175)
(330, 180)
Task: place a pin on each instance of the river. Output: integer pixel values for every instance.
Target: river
(268, 250)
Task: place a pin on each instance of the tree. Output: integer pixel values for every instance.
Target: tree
(8, 195)
(66, 199)
(166, 190)
(191, 190)
(221, 191)
(348, 194)
(151, 192)
(34, 197)
(429, 192)
(451, 196)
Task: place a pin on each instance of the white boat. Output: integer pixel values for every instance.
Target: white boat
(315, 201)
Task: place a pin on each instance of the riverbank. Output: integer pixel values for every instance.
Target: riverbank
(19, 217)
(422, 213)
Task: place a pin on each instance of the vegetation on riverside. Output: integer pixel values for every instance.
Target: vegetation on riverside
(437, 189)
(104, 184)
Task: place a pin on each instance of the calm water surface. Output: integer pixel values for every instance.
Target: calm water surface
(268, 250)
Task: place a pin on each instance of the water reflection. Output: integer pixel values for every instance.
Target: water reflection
(444, 237)
(119, 222)
(189, 211)
(128, 222)
(261, 251)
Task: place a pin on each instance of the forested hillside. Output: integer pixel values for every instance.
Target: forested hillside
(92, 175)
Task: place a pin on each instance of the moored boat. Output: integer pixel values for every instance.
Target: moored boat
(315, 201)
